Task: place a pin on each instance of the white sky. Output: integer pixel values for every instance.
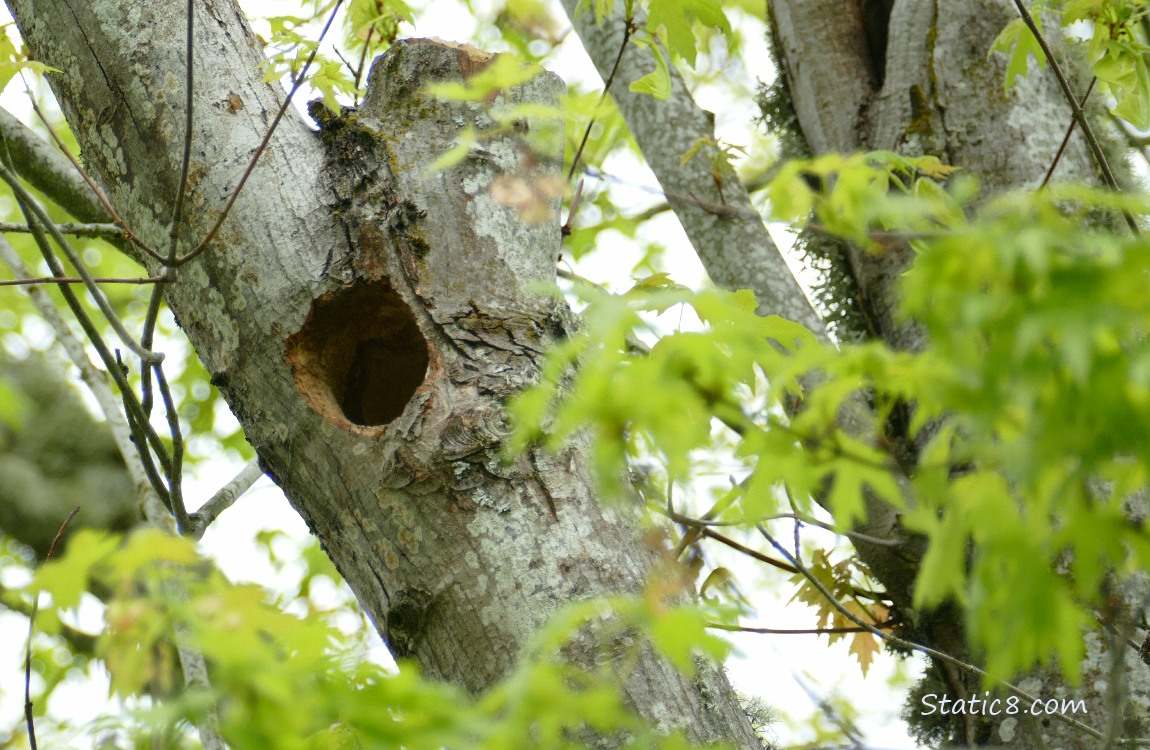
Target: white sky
(775, 668)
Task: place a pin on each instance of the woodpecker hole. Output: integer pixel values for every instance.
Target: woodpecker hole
(359, 356)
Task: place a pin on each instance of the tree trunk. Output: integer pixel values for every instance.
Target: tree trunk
(924, 85)
(366, 320)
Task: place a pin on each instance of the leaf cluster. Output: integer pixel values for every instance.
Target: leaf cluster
(1030, 402)
(287, 681)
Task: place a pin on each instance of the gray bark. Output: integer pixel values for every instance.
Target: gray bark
(722, 224)
(941, 95)
(366, 320)
(49, 171)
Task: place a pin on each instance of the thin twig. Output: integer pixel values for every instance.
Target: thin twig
(565, 230)
(1076, 109)
(798, 631)
(41, 280)
(628, 30)
(127, 232)
(74, 229)
(1066, 138)
(902, 642)
(146, 337)
(363, 59)
(175, 473)
(260, 149)
(755, 554)
(186, 160)
(139, 426)
(32, 629)
(829, 527)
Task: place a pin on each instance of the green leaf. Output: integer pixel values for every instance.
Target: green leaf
(676, 19)
(1134, 104)
(679, 633)
(66, 578)
(1018, 43)
(504, 71)
(148, 547)
(464, 143)
(657, 83)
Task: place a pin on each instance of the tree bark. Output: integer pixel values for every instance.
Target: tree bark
(366, 320)
(933, 90)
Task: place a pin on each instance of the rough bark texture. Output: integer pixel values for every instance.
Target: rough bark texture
(365, 320)
(940, 94)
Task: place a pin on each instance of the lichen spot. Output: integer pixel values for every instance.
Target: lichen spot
(359, 356)
(390, 558)
(409, 539)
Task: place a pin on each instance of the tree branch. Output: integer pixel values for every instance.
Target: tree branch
(47, 170)
(225, 497)
(735, 249)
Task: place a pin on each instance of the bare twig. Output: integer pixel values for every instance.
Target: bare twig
(41, 280)
(175, 472)
(829, 527)
(940, 655)
(573, 211)
(111, 231)
(1076, 109)
(139, 426)
(1066, 138)
(628, 30)
(798, 631)
(225, 497)
(186, 160)
(299, 79)
(146, 336)
(28, 717)
(363, 59)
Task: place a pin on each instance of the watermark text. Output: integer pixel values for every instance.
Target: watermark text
(986, 705)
